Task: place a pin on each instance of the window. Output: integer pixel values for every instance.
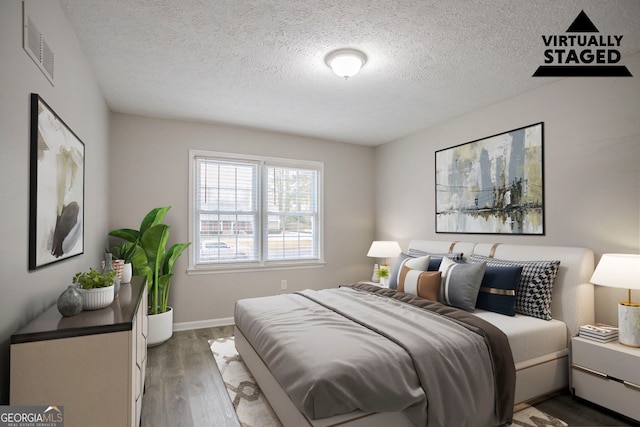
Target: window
(254, 211)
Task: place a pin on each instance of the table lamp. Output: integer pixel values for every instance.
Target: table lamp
(622, 271)
(384, 249)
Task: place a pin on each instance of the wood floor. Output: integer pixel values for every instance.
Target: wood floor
(184, 389)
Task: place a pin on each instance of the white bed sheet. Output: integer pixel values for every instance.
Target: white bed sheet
(529, 337)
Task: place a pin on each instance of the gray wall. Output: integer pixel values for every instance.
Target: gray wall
(591, 166)
(149, 168)
(77, 100)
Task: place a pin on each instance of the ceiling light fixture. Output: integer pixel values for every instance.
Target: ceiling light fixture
(346, 62)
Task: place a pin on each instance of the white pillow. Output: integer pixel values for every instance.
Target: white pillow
(420, 263)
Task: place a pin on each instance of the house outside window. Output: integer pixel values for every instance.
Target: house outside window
(254, 212)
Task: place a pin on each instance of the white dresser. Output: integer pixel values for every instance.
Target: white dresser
(607, 374)
(93, 364)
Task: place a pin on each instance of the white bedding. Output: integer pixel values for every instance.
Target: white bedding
(529, 337)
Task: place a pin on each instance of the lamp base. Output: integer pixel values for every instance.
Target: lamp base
(629, 324)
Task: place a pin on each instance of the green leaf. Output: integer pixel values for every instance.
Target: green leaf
(154, 217)
(164, 283)
(94, 279)
(172, 255)
(154, 241)
(126, 233)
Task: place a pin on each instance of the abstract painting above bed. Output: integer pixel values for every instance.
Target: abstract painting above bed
(492, 185)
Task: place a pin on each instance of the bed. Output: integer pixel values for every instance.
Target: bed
(538, 347)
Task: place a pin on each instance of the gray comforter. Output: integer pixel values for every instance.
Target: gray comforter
(337, 350)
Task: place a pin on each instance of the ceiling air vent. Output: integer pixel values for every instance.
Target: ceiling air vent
(36, 46)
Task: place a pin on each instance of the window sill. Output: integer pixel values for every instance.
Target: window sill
(194, 271)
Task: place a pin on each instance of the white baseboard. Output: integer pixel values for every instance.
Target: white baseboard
(200, 324)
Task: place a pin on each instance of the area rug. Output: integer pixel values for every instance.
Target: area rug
(253, 410)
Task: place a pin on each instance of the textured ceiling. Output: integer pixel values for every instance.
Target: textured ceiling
(260, 63)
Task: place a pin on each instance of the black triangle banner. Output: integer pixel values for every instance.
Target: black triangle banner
(582, 24)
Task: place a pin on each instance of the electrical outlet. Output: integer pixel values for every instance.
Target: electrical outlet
(283, 285)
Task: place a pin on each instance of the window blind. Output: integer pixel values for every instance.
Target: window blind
(255, 211)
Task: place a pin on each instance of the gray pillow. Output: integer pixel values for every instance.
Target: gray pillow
(395, 270)
(460, 283)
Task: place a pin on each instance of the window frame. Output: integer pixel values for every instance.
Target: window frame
(261, 264)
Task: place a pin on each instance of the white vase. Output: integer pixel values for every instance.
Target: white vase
(160, 327)
(127, 273)
(374, 277)
(629, 324)
(95, 299)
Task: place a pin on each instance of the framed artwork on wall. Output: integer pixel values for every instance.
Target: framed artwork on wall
(56, 199)
(493, 185)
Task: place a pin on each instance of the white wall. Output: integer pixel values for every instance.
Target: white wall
(77, 100)
(591, 166)
(149, 168)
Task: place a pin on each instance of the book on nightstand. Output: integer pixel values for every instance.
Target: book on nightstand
(599, 332)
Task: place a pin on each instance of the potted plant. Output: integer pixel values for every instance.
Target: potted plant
(151, 259)
(383, 274)
(96, 288)
(125, 252)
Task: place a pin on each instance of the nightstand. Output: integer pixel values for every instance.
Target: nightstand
(607, 374)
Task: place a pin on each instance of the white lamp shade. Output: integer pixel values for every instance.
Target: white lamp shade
(346, 62)
(384, 249)
(618, 271)
(622, 271)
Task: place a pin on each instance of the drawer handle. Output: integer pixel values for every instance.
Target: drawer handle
(605, 376)
(589, 371)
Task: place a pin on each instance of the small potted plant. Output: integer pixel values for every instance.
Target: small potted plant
(125, 252)
(96, 288)
(383, 274)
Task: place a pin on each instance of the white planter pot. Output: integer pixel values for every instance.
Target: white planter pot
(126, 273)
(95, 299)
(160, 327)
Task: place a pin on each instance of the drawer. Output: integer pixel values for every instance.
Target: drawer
(611, 394)
(613, 359)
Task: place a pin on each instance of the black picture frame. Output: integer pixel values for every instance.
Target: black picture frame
(56, 199)
(492, 185)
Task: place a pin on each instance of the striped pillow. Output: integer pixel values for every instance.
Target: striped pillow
(417, 262)
(460, 283)
(425, 284)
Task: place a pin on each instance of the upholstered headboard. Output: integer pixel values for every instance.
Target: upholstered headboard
(573, 295)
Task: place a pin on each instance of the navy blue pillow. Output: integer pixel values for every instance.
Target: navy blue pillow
(434, 264)
(436, 259)
(498, 289)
